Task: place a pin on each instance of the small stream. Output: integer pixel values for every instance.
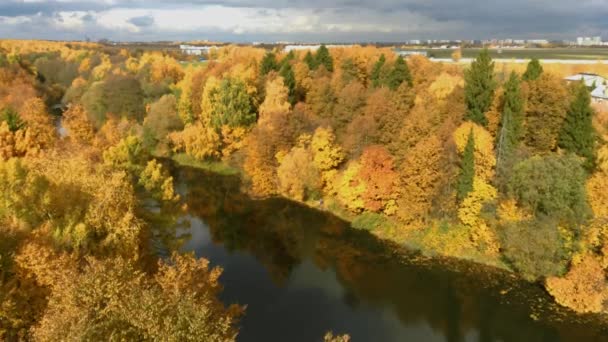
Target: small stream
(302, 272)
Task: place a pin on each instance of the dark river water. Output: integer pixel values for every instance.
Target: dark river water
(302, 272)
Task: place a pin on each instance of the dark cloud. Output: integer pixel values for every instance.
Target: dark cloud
(405, 19)
(143, 21)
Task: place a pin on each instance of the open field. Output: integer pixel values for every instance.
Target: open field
(528, 53)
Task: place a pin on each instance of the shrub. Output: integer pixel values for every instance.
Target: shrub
(553, 186)
(535, 248)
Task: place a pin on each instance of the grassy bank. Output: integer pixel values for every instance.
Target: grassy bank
(211, 166)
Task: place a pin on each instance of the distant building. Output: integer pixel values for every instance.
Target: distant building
(588, 41)
(312, 48)
(195, 50)
(407, 53)
(537, 41)
(597, 84)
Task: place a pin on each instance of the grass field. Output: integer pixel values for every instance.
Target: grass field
(540, 53)
(211, 166)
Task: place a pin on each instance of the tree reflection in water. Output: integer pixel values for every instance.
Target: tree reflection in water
(459, 301)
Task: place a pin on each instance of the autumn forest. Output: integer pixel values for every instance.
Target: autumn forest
(500, 164)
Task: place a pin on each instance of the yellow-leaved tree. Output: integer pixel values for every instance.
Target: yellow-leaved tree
(158, 182)
(78, 126)
(197, 140)
(350, 188)
(276, 99)
(327, 156)
(485, 158)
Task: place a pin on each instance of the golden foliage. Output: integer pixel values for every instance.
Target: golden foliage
(157, 181)
(597, 194)
(77, 124)
(197, 141)
(444, 85)
(493, 115)
(485, 159)
(469, 214)
(297, 174)
(351, 188)
(584, 288)
(471, 206)
(508, 211)
(330, 337)
(421, 175)
(233, 139)
(112, 299)
(276, 99)
(327, 155)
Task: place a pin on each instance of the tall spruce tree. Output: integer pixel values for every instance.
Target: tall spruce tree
(467, 169)
(533, 71)
(323, 57)
(511, 120)
(310, 61)
(376, 75)
(289, 79)
(399, 74)
(288, 58)
(479, 88)
(577, 134)
(269, 63)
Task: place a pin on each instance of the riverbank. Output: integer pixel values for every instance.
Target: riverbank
(439, 239)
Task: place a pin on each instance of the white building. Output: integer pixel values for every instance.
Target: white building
(588, 41)
(312, 48)
(596, 83)
(407, 53)
(195, 50)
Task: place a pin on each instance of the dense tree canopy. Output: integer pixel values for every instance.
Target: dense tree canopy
(479, 87)
(455, 160)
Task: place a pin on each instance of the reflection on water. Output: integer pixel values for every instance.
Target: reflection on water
(302, 272)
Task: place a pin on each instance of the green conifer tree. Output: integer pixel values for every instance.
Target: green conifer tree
(323, 57)
(399, 74)
(479, 88)
(287, 59)
(268, 64)
(310, 61)
(289, 79)
(511, 120)
(533, 71)
(577, 134)
(467, 169)
(376, 75)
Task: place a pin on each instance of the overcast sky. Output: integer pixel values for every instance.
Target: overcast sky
(302, 20)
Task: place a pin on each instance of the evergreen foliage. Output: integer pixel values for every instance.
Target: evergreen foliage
(12, 119)
(467, 169)
(323, 57)
(231, 105)
(551, 186)
(376, 75)
(511, 120)
(399, 74)
(533, 71)
(269, 63)
(310, 61)
(289, 79)
(577, 134)
(479, 88)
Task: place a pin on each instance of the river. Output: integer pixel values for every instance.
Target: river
(302, 272)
